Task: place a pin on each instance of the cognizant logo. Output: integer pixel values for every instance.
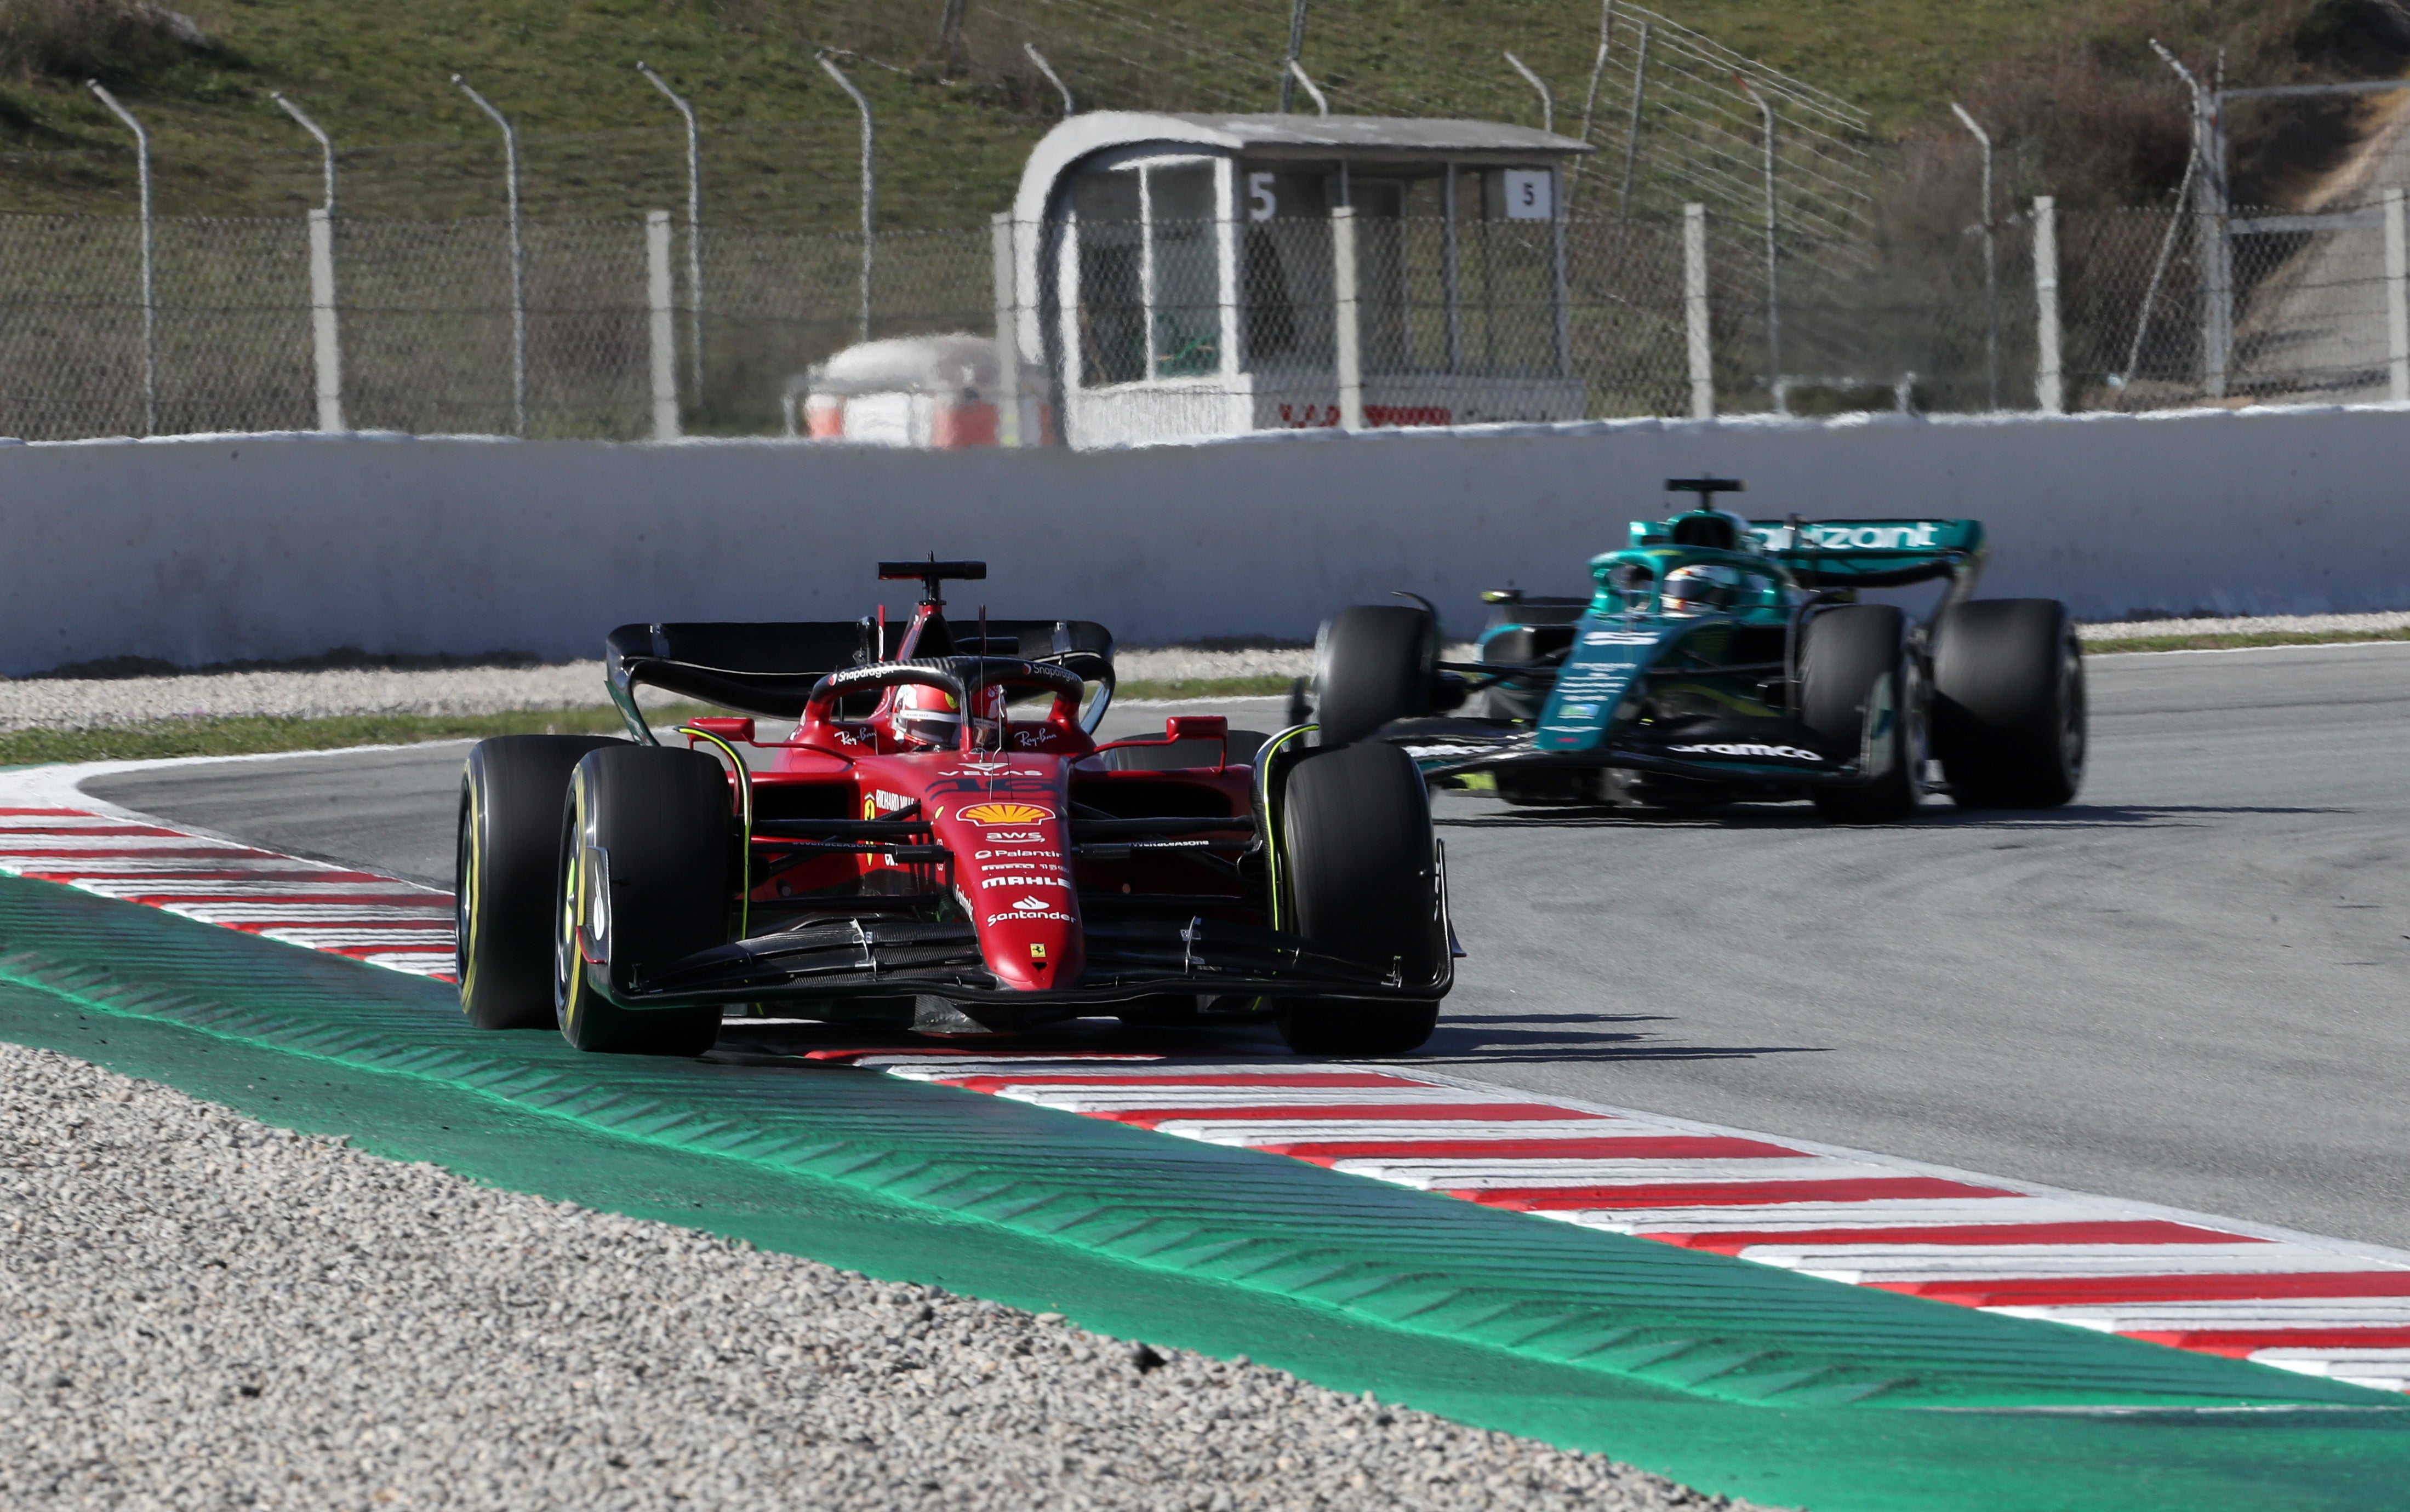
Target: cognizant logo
(1915, 537)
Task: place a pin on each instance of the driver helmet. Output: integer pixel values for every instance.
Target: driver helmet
(987, 718)
(927, 718)
(930, 718)
(1699, 590)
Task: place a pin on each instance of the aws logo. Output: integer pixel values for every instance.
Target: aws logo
(1007, 814)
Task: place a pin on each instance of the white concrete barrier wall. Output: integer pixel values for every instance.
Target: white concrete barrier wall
(209, 549)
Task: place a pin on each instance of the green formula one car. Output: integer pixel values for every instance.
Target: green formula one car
(1723, 658)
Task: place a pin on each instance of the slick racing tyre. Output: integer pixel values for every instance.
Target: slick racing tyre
(1371, 664)
(2007, 704)
(1856, 667)
(508, 847)
(1356, 824)
(647, 874)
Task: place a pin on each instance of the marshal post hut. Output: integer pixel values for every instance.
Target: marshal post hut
(1210, 275)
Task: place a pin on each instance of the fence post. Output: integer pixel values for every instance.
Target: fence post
(518, 254)
(693, 223)
(2221, 250)
(1773, 246)
(1349, 331)
(1632, 132)
(1991, 266)
(1071, 106)
(1695, 306)
(326, 338)
(658, 284)
(1289, 60)
(1560, 290)
(1008, 333)
(150, 288)
(2397, 294)
(869, 182)
(2050, 394)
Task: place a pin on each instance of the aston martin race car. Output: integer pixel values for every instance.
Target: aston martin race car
(941, 845)
(1721, 659)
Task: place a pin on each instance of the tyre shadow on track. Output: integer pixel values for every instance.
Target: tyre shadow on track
(2074, 816)
(1499, 1040)
(1477, 1039)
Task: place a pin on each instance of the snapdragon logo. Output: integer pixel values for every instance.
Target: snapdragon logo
(1747, 748)
(1021, 882)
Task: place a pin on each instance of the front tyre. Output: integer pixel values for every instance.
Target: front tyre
(2008, 720)
(1356, 824)
(1861, 691)
(1373, 664)
(647, 875)
(508, 846)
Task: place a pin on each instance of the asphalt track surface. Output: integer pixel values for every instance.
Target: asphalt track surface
(2185, 988)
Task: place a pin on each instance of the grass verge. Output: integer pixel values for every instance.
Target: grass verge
(260, 734)
(2239, 640)
(254, 734)
(1265, 685)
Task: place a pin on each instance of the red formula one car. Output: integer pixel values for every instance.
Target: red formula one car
(941, 845)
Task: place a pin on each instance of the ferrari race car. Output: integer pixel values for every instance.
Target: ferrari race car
(942, 846)
(1722, 658)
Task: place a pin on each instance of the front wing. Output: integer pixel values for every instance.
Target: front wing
(1749, 751)
(1127, 959)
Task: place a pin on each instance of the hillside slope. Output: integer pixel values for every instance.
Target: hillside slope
(596, 142)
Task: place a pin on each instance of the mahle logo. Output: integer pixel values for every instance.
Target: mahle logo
(997, 813)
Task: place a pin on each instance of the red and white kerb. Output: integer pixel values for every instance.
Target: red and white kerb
(2319, 1307)
(2322, 1308)
(382, 920)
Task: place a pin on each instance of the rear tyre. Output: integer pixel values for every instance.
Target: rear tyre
(507, 850)
(1856, 671)
(1371, 664)
(2007, 704)
(647, 874)
(1356, 824)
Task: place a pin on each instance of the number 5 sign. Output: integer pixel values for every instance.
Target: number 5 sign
(1261, 204)
(1528, 194)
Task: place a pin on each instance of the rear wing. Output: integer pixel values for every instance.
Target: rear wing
(1873, 553)
(769, 670)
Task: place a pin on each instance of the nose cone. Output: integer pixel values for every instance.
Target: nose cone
(1013, 865)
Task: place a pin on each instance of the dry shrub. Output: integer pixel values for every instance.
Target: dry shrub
(2096, 118)
(114, 40)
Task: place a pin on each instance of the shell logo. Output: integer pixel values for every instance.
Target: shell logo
(995, 814)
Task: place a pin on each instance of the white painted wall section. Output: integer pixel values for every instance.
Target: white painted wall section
(207, 549)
